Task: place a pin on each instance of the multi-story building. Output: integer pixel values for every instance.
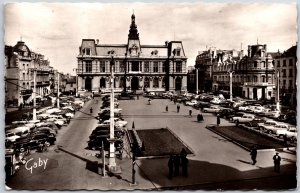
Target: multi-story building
(68, 84)
(253, 75)
(20, 66)
(286, 66)
(136, 66)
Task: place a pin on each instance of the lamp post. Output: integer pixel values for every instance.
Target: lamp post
(112, 161)
(278, 98)
(57, 89)
(76, 70)
(230, 75)
(34, 93)
(125, 71)
(197, 81)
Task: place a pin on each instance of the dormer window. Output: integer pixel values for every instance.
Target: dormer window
(176, 51)
(88, 51)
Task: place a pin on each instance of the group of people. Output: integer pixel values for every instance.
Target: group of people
(276, 159)
(174, 163)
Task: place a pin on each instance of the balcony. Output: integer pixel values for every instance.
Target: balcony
(261, 84)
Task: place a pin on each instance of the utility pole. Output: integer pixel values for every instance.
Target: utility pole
(57, 89)
(197, 81)
(112, 160)
(34, 95)
(278, 98)
(230, 75)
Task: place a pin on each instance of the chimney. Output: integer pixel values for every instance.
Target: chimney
(97, 41)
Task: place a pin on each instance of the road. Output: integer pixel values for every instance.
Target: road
(215, 159)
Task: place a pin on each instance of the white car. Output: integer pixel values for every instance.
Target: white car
(70, 115)
(10, 136)
(269, 125)
(272, 114)
(69, 108)
(212, 109)
(43, 116)
(53, 110)
(215, 101)
(116, 110)
(78, 102)
(191, 103)
(291, 133)
(243, 119)
(258, 109)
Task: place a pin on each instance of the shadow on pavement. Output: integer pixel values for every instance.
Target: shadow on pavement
(206, 175)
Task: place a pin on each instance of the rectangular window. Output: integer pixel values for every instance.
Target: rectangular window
(88, 66)
(178, 66)
(178, 52)
(284, 83)
(163, 67)
(146, 67)
(88, 51)
(284, 63)
(155, 66)
(290, 72)
(117, 64)
(283, 73)
(278, 63)
(290, 84)
(122, 67)
(102, 66)
(290, 62)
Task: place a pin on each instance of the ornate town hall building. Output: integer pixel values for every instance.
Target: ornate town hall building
(139, 67)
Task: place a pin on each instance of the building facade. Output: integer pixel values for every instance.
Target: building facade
(20, 65)
(136, 67)
(286, 66)
(252, 74)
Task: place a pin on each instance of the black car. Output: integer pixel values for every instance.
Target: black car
(201, 105)
(236, 114)
(96, 143)
(227, 113)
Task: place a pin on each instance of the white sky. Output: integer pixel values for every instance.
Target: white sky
(56, 29)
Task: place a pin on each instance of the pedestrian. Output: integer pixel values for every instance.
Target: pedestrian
(176, 165)
(190, 112)
(91, 110)
(93, 95)
(170, 165)
(149, 101)
(178, 107)
(285, 141)
(184, 164)
(218, 119)
(277, 159)
(183, 153)
(199, 117)
(167, 108)
(137, 96)
(253, 154)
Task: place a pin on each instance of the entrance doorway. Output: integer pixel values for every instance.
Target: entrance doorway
(134, 83)
(88, 84)
(102, 83)
(178, 83)
(255, 93)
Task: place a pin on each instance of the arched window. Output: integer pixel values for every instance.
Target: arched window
(155, 82)
(146, 83)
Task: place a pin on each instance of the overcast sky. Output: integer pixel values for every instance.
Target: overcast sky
(56, 30)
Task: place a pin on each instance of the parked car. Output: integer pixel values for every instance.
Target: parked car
(236, 114)
(215, 101)
(212, 109)
(191, 103)
(96, 143)
(245, 118)
(269, 125)
(251, 125)
(10, 136)
(202, 105)
(226, 113)
(291, 133)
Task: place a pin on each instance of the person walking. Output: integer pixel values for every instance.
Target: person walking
(178, 107)
(176, 165)
(253, 154)
(91, 110)
(171, 165)
(183, 153)
(190, 112)
(276, 159)
(167, 108)
(184, 164)
(218, 119)
(285, 141)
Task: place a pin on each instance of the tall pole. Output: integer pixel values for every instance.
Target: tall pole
(34, 93)
(57, 90)
(112, 161)
(230, 75)
(197, 81)
(278, 99)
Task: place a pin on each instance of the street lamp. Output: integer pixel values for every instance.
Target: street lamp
(125, 71)
(112, 161)
(76, 70)
(34, 94)
(197, 81)
(278, 98)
